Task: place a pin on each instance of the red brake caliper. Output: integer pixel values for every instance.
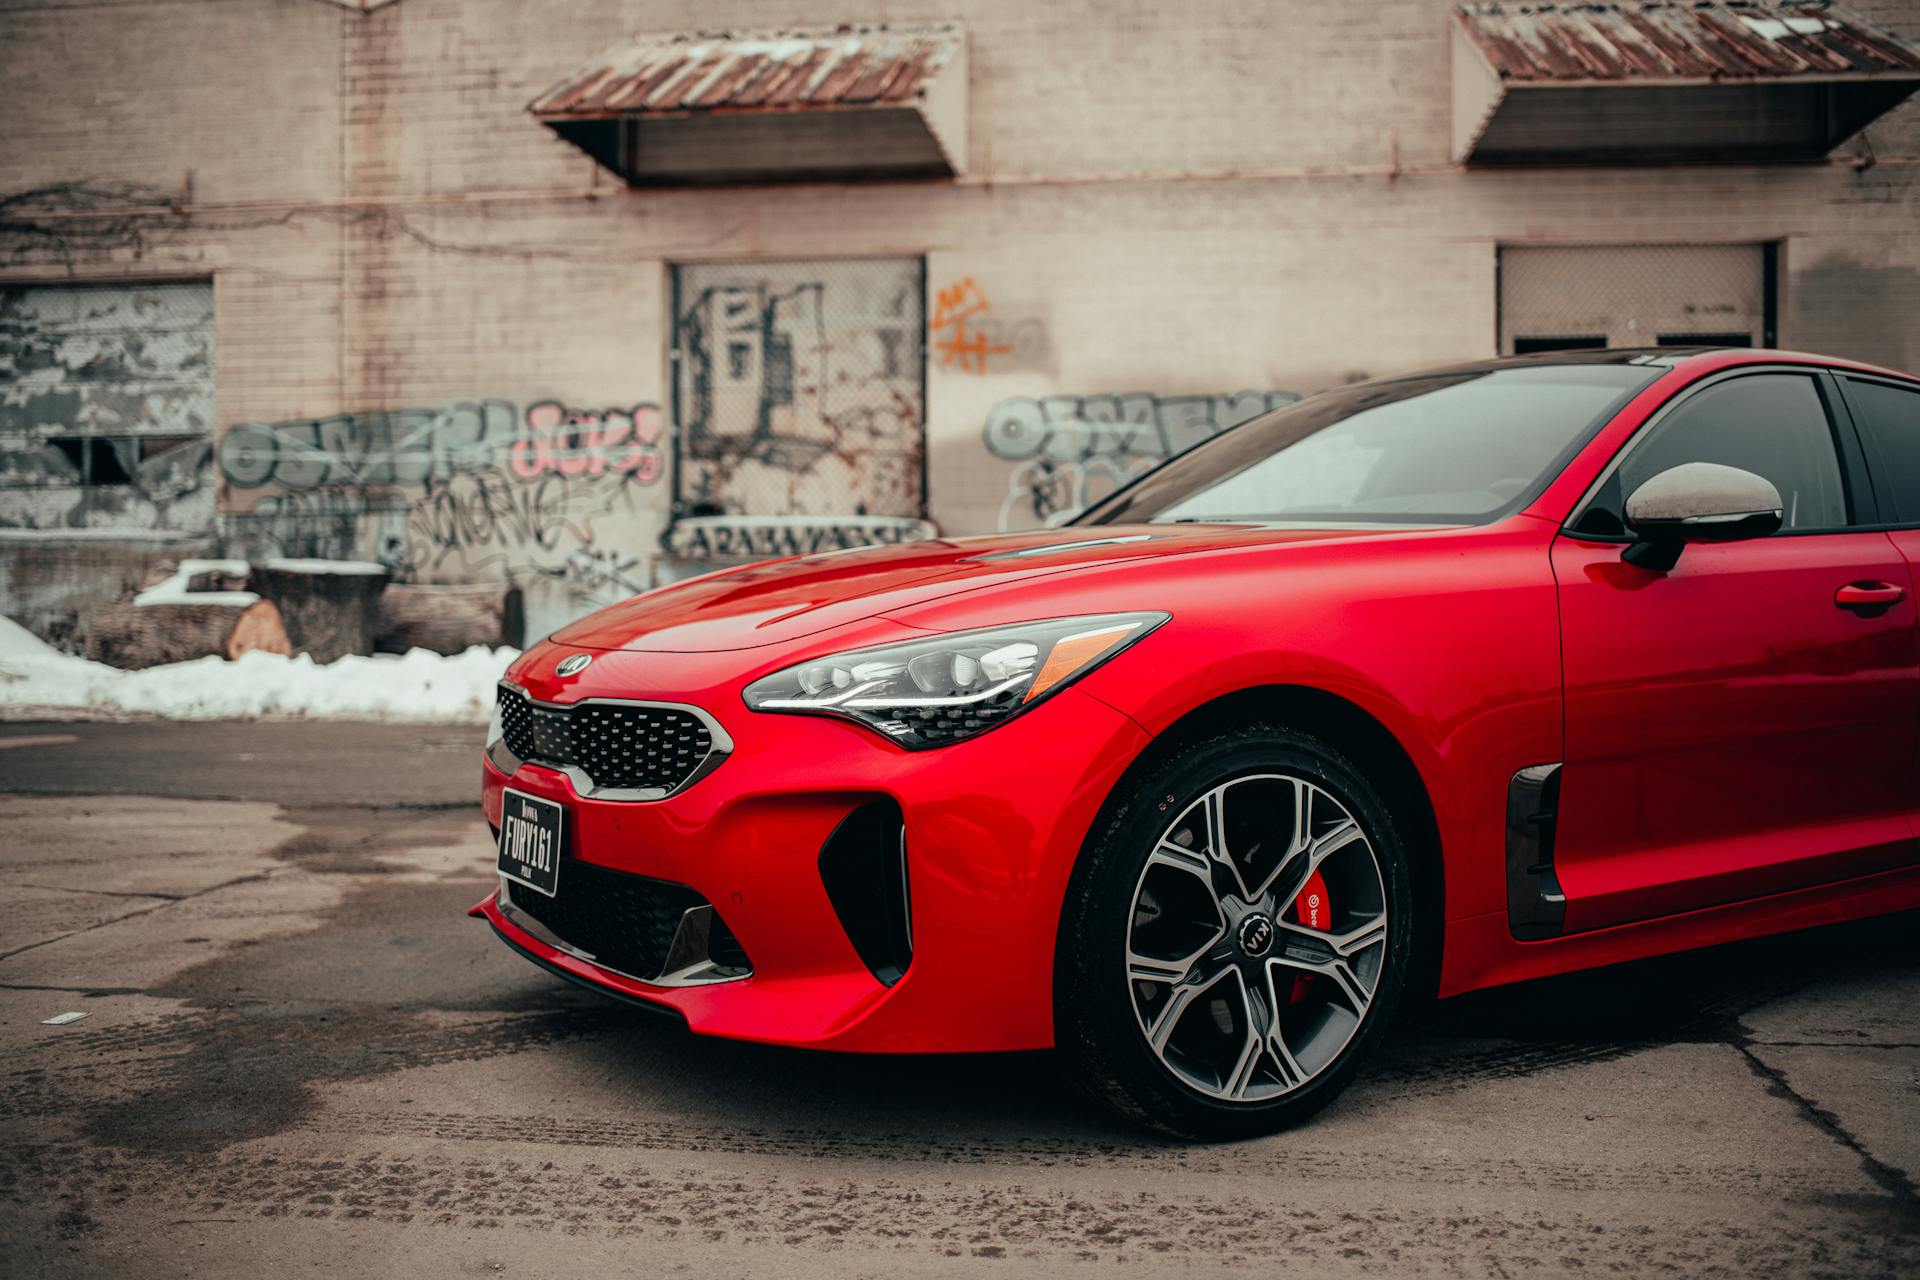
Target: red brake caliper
(1313, 910)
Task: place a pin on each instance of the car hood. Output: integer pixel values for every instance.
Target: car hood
(784, 600)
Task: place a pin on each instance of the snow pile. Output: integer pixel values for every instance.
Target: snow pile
(179, 588)
(365, 568)
(37, 680)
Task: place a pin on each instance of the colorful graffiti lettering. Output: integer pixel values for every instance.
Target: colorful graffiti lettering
(417, 446)
(463, 492)
(589, 442)
(961, 337)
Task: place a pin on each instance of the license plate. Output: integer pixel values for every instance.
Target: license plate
(530, 841)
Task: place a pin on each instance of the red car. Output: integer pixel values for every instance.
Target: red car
(1430, 683)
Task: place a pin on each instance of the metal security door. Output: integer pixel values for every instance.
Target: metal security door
(799, 388)
(106, 406)
(1563, 297)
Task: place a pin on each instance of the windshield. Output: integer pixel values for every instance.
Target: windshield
(1447, 448)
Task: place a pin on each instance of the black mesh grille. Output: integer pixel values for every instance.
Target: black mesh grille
(625, 922)
(617, 746)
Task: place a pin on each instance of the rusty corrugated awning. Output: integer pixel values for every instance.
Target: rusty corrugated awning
(850, 102)
(1723, 80)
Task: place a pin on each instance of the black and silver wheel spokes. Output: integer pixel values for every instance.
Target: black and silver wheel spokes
(1257, 938)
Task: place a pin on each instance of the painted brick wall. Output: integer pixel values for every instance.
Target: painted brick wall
(1182, 202)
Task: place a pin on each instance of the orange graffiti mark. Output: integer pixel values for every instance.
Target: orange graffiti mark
(960, 337)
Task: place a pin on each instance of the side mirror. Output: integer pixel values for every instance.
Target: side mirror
(1698, 502)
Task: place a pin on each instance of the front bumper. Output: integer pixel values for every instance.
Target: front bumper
(993, 826)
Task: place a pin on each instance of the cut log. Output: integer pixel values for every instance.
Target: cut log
(132, 636)
(446, 619)
(331, 607)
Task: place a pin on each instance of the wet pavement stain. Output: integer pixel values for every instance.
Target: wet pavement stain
(377, 986)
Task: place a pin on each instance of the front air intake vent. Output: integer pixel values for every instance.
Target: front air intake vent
(864, 868)
(623, 922)
(653, 930)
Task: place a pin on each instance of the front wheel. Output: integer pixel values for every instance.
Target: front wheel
(1235, 938)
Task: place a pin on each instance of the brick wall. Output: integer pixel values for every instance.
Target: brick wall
(1178, 201)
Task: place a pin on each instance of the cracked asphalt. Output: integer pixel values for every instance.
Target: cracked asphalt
(300, 1055)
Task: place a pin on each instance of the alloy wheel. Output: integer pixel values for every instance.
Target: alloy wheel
(1257, 937)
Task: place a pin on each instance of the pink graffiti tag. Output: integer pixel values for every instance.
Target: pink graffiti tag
(960, 337)
(589, 442)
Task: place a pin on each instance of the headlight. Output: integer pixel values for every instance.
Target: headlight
(927, 693)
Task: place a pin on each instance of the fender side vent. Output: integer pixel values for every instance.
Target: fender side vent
(1536, 906)
(863, 865)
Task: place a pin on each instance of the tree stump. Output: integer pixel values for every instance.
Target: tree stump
(331, 607)
(446, 619)
(133, 636)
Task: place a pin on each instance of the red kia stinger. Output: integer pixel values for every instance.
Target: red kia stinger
(1430, 683)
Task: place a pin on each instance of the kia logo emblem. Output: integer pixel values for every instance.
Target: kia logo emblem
(572, 666)
(1256, 935)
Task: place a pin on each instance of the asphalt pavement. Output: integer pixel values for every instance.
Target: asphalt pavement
(299, 1056)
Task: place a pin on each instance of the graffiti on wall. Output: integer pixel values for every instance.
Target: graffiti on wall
(544, 497)
(1071, 451)
(356, 450)
(968, 336)
(589, 442)
(799, 389)
(958, 326)
(726, 538)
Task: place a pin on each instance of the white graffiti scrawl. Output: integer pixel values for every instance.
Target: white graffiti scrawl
(1072, 451)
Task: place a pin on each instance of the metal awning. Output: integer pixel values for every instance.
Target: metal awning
(851, 102)
(1730, 80)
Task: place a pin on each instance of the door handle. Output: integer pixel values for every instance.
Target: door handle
(1869, 596)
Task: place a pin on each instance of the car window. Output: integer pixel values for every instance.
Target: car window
(1890, 417)
(1459, 446)
(1772, 424)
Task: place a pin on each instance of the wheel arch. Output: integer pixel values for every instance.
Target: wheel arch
(1363, 738)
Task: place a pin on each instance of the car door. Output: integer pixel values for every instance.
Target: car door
(1887, 414)
(1746, 722)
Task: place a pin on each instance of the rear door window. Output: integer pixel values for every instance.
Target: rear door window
(1889, 418)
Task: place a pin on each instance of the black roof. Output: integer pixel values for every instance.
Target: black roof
(1651, 356)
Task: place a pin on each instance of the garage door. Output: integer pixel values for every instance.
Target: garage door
(1666, 295)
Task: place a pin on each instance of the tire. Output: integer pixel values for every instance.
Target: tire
(1146, 984)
